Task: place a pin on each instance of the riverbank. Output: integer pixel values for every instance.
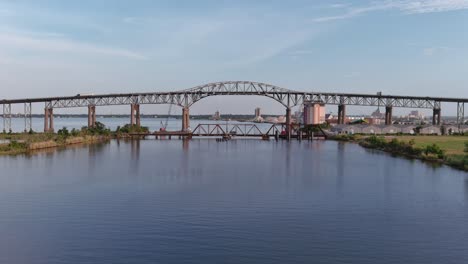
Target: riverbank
(448, 150)
(25, 143)
(20, 143)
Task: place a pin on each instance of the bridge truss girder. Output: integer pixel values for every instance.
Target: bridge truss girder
(187, 99)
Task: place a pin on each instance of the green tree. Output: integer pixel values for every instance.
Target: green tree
(434, 149)
(63, 132)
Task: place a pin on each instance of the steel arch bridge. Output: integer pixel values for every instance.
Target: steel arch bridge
(186, 98)
(183, 98)
(286, 97)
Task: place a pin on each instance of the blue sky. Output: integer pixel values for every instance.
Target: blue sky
(395, 46)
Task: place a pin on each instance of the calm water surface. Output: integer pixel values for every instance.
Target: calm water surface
(242, 201)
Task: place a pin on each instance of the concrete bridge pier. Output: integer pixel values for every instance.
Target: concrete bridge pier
(388, 115)
(288, 123)
(436, 116)
(48, 120)
(341, 114)
(135, 115)
(91, 115)
(185, 119)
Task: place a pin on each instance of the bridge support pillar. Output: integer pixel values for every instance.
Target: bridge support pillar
(27, 117)
(48, 120)
(460, 113)
(288, 123)
(135, 115)
(436, 116)
(91, 115)
(6, 118)
(388, 115)
(341, 114)
(185, 119)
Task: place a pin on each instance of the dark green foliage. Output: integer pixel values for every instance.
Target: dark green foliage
(75, 132)
(458, 161)
(98, 129)
(393, 146)
(315, 128)
(418, 129)
(131, 129)
(63, 132)
(435, 150)
(13, 146)
(466, 147)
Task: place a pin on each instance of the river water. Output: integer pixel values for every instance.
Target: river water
(241, 201)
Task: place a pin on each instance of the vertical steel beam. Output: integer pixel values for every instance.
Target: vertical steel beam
(436, 119)
(27, 117)
(460, 113)
(6, 118)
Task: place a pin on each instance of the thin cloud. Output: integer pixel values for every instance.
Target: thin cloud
(432, 6)
(338, 5)
(50, 44)
(407, 7)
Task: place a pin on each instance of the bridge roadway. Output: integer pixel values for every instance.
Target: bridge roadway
(186, 98)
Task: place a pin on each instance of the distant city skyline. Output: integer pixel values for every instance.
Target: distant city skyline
(54, 48)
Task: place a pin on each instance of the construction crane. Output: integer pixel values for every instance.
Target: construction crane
(164, 125)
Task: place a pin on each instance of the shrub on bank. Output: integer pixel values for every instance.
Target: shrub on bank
(458, 161)
(98, 129)
(131, 129)
(394, 146)
(13, 146)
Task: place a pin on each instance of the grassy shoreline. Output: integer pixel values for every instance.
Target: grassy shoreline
(25, 143)
(22, 143)
(447, 150)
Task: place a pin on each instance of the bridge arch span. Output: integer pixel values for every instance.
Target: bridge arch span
(281, 95)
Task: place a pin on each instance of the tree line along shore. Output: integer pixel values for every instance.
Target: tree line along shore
(19, 143)
(451, 150)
